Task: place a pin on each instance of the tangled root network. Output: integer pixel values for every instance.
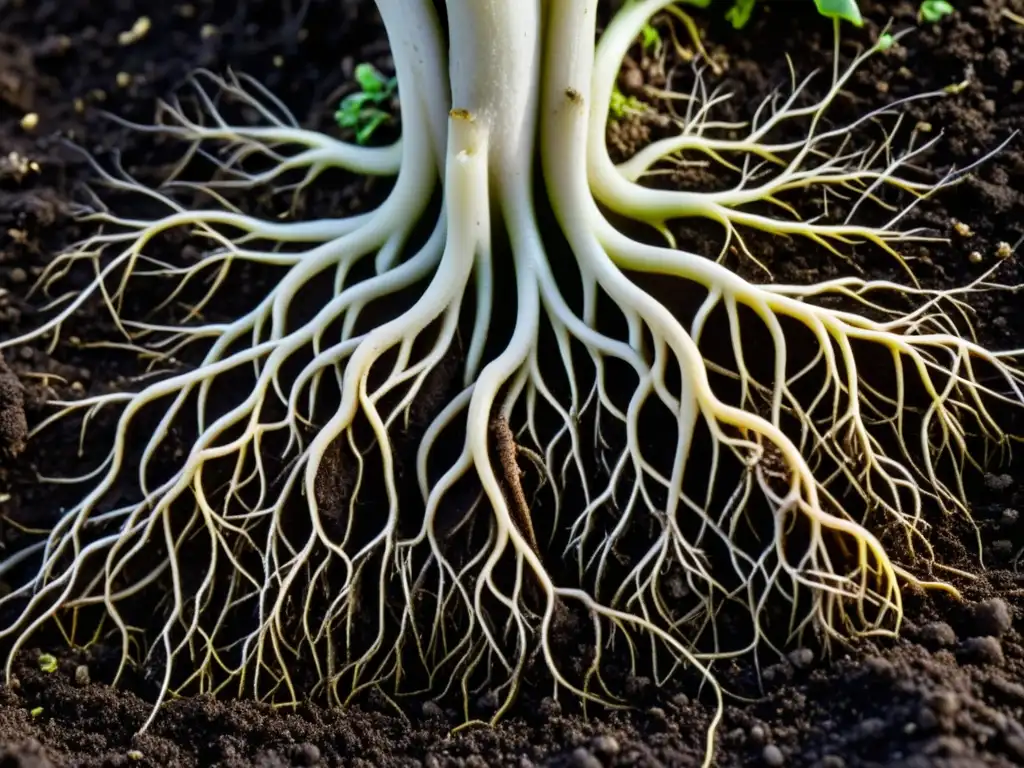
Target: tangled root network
(423, 483)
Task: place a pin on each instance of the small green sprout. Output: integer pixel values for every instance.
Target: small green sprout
(885, 42)
(934, 10)
(622, 105)
(841, 10)
(740, 12)
(47, 663)
(360, 111)
(36, 711)
(651, 39)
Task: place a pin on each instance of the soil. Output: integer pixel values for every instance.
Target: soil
(949, 692)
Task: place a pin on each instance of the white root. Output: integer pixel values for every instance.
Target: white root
(452, 589)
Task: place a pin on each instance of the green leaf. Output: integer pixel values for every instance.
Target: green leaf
(885, 42)
(356, 101)
(369, 79)
(845, 10)
(651, 38)
(934, 10)
(740, 12)
(363, 134)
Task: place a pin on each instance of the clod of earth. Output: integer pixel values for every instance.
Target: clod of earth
(759, 483)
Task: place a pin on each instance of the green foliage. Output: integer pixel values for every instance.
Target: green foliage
(360, 111)
(622, 105)
(650, 39)
(934, 10)
(740, 12)
(843, 10)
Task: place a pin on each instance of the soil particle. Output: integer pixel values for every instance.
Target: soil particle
(982, 650)
(937, 634)
(992, 617)
(13, 422)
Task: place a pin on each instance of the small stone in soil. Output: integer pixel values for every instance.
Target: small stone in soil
(432, 710)
(945, 703)
(773, 756)
(306, 754)
(606, 745)
(937, 633)
(583, 758)
(801, 658)
(982, 650)
(880, 667)
(992, 617)
(1009, 517)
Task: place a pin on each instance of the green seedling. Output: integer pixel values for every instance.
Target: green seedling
(361, 111)
(934, 10)
(47, 663)
(622, 105)
(840, 10)
(650, 38)
(739, 14)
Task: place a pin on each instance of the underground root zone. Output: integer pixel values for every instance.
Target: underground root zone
(440, 449)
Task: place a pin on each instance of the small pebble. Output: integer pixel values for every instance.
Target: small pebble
(606, 745)
(773, 756)
(583, 758)
(1009, 517)
(801, 658)
(992, 617)
(938, 633)
(17, 276)
(880, 667)
(431, 709)
(758, 736)
(983, 650)
(945, 703)
(81, 675)
(306, 754)
(30, 121)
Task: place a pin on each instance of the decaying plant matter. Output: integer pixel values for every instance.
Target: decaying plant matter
(555, 466)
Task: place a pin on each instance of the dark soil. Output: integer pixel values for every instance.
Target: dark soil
(950, 692)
